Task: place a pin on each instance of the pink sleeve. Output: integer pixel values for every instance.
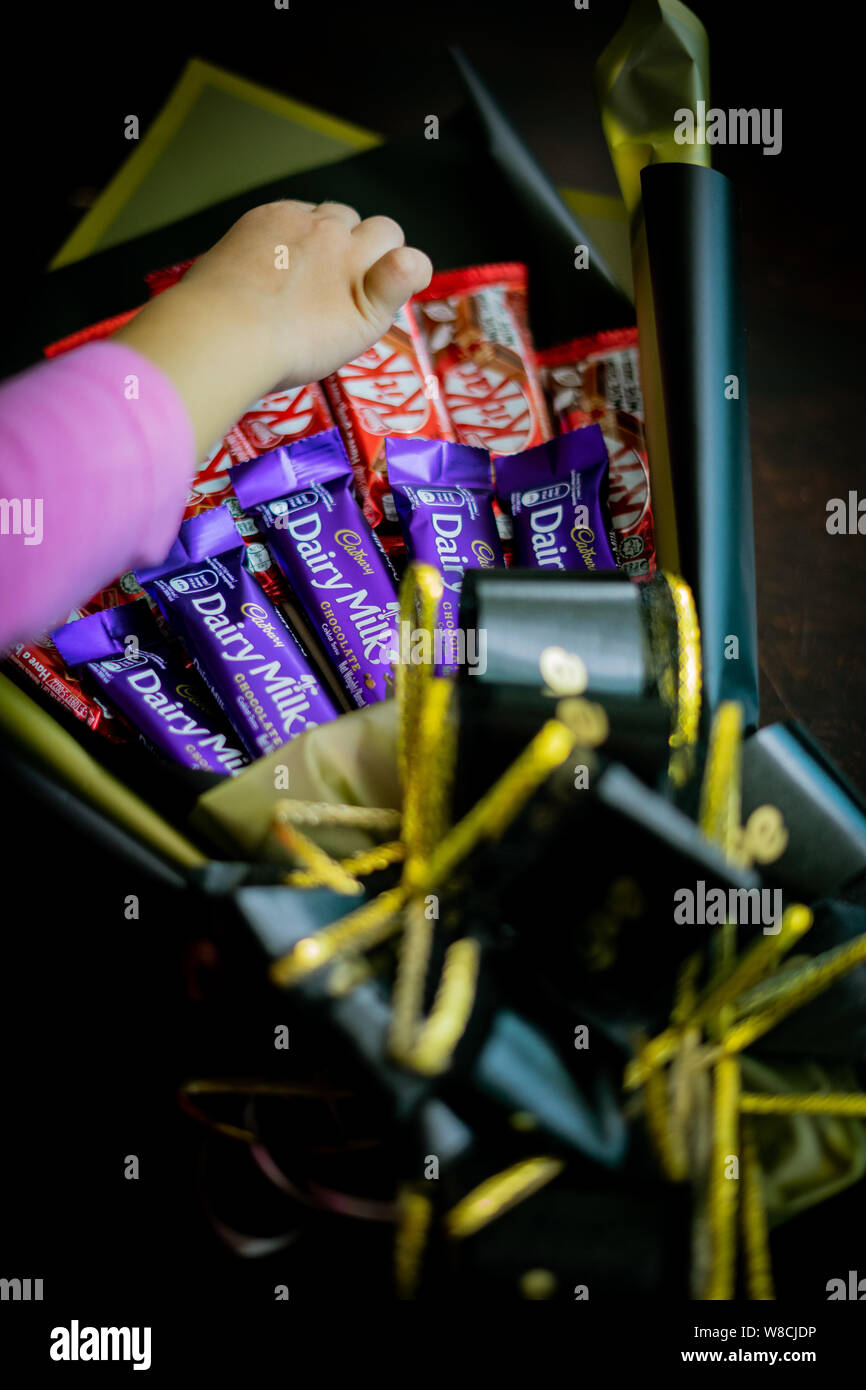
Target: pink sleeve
(96, 453)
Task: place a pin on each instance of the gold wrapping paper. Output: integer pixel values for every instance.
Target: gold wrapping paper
(655, 64)
(351, 761)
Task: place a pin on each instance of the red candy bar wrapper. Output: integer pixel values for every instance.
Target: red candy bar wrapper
(168, 275)
(94, 333)
(476, 328)
(157, 281)
(596, 380)
(212, 486)
(283, 417)
(42, 663)
(388, 390)
(124, 589)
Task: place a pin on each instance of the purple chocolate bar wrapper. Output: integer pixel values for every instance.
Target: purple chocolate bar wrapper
(301, 495)
(443, 493)
(146, 681)
(556, 495)
(254, 665)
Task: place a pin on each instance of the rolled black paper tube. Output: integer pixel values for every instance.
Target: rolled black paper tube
(520, 618)
(693, 245)
(517, 614)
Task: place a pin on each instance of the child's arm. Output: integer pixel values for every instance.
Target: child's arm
(97, 447)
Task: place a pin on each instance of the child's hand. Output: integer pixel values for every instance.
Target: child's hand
(290, 293)
(321, 282)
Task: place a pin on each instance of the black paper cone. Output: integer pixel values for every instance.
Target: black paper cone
(574, 302)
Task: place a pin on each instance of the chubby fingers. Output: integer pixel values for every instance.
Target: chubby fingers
(398, 274)
(373, 237)
(337, 212)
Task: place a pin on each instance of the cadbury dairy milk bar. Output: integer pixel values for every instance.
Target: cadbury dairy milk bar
(300, 494)
(557, 495)
(443, 493)
(148, 683)
(254, 665)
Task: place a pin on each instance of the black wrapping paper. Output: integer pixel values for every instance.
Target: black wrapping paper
(580, 888)
(504, 1056)
(692, 237)
(825, 816)
(588, 1242)
(555, 229)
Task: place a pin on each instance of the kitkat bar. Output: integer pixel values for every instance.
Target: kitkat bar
(476, 329)
(596, 380)
(210, 484)
(279, 418)
(390, 390)
(211, 487)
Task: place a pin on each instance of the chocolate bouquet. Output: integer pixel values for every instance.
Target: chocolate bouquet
(443, 709)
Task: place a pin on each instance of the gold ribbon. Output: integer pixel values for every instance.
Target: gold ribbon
(499, 1193)
(656, 64)
(414, 1218)
(747, 994)
(686, 699)
(746, 998)
(431, 852)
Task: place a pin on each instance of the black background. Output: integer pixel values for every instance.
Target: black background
(92, 1003)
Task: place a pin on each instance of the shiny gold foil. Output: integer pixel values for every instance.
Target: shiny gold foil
(657, 64)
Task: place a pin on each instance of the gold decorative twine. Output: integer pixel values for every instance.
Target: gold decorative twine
(746, 997)
(430, 850)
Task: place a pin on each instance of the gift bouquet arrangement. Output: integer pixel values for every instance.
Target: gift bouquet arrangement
(447, 690)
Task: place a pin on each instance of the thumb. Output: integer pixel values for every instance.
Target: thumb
(393, 279)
